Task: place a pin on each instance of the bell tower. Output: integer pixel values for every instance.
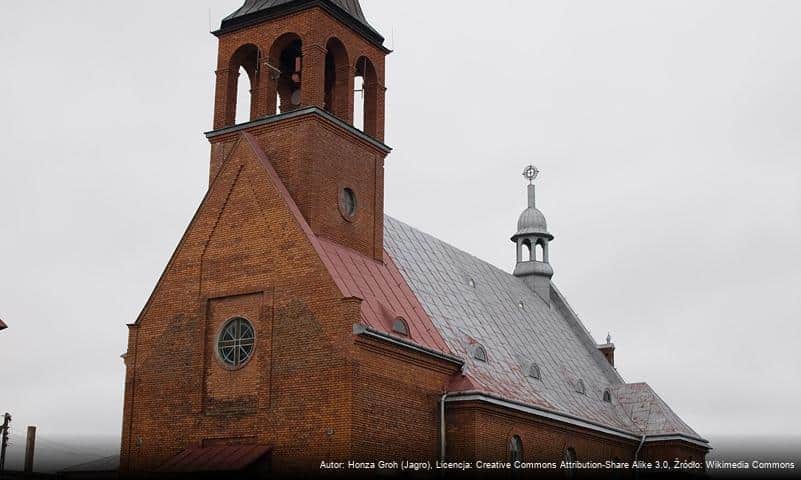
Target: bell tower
(315, 69)
(532, 239)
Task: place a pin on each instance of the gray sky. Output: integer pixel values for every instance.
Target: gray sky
(668, 134)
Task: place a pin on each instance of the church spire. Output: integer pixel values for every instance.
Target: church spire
(532, 239)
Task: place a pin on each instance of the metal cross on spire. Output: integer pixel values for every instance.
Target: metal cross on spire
(531, 173)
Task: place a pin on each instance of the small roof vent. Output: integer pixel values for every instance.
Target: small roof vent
(479, 353)
(535, 372)
(580, 387)
(607, 396)
(472, 283)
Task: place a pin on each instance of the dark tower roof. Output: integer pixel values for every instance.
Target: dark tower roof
(254, 11)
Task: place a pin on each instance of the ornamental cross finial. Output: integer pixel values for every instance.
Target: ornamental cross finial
(608, 338)
(530, 173)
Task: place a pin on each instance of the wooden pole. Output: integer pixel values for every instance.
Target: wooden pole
(4, 440)
(30, 445)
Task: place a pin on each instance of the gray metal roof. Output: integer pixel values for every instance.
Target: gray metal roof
(517, 329)
(352, 7)
(256, 10)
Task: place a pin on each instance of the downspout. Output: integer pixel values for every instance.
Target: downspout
(442, 426)
(637, 455)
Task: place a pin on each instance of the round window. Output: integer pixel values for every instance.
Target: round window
(347, 203)
(236, 342)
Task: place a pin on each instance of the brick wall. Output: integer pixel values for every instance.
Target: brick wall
(316, 160)
(245, 253)
(396, 402)
(478, 431)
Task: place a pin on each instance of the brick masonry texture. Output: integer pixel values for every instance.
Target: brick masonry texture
(316, 161)
(312, 390)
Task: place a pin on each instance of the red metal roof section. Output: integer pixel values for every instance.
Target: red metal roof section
(385, 294)
(224, 458)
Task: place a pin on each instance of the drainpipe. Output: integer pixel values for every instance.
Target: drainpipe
(637, 455)
(442, 426)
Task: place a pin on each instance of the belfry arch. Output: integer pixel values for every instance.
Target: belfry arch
(338, 81)
(285, 64)
(366, 97)
(244, 61)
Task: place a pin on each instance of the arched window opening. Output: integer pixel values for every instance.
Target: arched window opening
(400, 326)
(337, 79)
(526, 250)
(358, 102)
(539, 252)
(243, 85)
(365, 102)
(515, 449)
(285, 65)
(480, 354)
(607, 396)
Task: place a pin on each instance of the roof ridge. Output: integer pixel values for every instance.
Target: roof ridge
(454, 247)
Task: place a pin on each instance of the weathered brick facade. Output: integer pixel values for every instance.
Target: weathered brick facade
(313, 389)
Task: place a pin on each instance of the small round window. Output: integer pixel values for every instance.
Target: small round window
(347, 203)
(236, 342)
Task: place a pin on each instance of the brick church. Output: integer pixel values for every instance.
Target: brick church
(297, 323)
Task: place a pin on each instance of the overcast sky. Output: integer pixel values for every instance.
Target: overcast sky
(668, 134)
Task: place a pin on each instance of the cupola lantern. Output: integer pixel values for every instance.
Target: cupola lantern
(532, 239)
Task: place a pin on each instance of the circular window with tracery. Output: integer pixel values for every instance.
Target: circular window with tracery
(236, 342)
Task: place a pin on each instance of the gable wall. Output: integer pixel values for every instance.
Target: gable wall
(244, 254)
